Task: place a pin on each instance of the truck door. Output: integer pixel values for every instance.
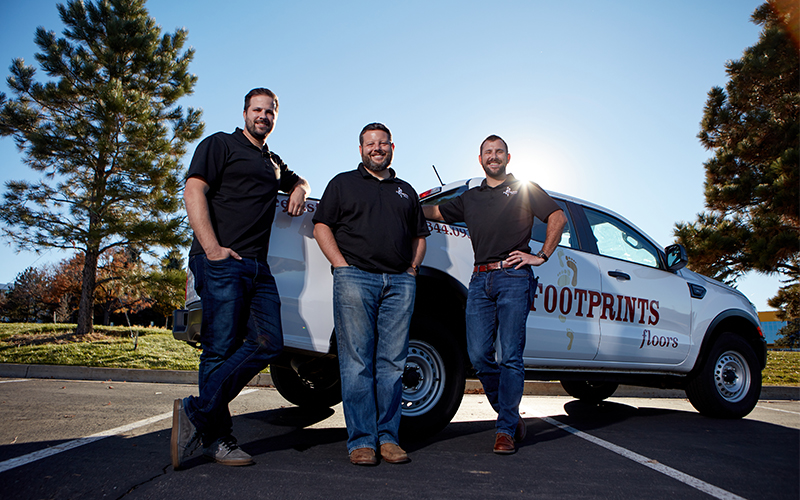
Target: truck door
(557, 328)
(643, 309)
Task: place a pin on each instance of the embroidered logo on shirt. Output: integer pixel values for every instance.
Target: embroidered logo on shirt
(401, 194)
(508, 192)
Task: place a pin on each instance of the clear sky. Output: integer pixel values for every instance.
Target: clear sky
(597, 99)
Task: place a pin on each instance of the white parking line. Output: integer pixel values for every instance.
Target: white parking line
(16, 380)
(778, 409)
(54, 450)
(647, 462)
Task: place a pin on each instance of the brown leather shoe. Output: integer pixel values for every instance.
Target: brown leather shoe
(521, 431)
(363, 456)
(504, 444)
(393, 454)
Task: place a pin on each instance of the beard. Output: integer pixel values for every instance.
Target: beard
(251, 128)
(373, 166)
(499, 174)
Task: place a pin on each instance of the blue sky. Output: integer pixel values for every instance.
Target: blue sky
(597, 99)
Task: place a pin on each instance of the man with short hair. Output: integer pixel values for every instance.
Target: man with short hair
(370, 227)
(231, 193)
(499, 215)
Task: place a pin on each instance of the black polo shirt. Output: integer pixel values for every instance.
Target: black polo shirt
(373, 221)
(499, 218)
(244, 181)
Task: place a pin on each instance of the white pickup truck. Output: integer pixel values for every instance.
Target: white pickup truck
(612, 307)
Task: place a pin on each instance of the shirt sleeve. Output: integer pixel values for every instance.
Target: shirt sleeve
(542, 205)
(288, 177)
(327, 211)
(208, 160)
(453, 210)
(421, 224)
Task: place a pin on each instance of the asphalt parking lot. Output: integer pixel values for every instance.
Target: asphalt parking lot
(102, 439)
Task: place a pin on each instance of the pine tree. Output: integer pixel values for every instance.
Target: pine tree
(26, 298)
(106, 134)
(752, 186)
(167, 285)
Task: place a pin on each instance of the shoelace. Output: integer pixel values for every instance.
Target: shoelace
(229, 442)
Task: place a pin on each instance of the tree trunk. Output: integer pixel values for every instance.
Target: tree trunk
(86, 303)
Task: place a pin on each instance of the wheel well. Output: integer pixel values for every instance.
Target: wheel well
(732, 321)
(442, 300)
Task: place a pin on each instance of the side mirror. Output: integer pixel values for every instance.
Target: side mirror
(676, 257)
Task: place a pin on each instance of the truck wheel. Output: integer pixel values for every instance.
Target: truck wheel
(323, 394)
(588, 391)
(433, 382)
(729, 384)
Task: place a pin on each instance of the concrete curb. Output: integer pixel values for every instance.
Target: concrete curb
(532, 388)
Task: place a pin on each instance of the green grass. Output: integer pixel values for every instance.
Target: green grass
(112, 347)
(783, 368)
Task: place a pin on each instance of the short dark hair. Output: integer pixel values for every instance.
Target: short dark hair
(493, 138)
(260, 91)
(373, 126)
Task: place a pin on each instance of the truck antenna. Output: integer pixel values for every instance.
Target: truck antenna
(437, 175)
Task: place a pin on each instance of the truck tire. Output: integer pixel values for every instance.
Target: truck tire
(304, 393)
(433, 382)
(729, 384)
(588, 391)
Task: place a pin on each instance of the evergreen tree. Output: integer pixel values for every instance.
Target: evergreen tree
(167, 286)
(26, 299)
(752, 186)
(105, 132)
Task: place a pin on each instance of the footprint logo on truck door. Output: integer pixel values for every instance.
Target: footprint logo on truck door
(567, 276)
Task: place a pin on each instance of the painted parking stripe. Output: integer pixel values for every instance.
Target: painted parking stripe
(778, 409)
(16, 380)
(647, 462)
(69, 445)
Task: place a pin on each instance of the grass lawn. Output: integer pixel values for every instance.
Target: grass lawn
(113, 347)
(108, 346)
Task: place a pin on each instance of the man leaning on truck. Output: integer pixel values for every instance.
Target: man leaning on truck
(370, 227)
(231, 192)
(499, 215)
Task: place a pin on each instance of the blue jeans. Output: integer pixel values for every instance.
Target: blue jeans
(372, 315)
(498, 303)
(241, 333)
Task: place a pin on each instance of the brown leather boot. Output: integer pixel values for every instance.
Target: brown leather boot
(393, 454)
(363, 456)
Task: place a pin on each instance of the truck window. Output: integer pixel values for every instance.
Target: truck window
(618, 240)
(539, 230)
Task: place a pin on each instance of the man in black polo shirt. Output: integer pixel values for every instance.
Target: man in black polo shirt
(370, 227)
(231, 192)
(499, 215)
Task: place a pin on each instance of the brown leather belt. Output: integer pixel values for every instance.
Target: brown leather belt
(493, 266)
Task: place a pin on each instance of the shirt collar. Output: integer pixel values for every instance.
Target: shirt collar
(365, 173)
(510, 179)
(239, 135)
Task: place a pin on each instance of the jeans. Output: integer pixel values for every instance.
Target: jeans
(498, 303)
(372, 315)
(241, 333)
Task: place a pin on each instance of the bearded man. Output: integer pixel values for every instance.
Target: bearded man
(499, 215)
(231, 192)
(369, 225)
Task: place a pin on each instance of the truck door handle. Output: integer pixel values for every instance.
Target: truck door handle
(619, 275)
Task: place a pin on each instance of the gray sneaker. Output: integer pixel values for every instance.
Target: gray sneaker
(225, 451)
(184, 439)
